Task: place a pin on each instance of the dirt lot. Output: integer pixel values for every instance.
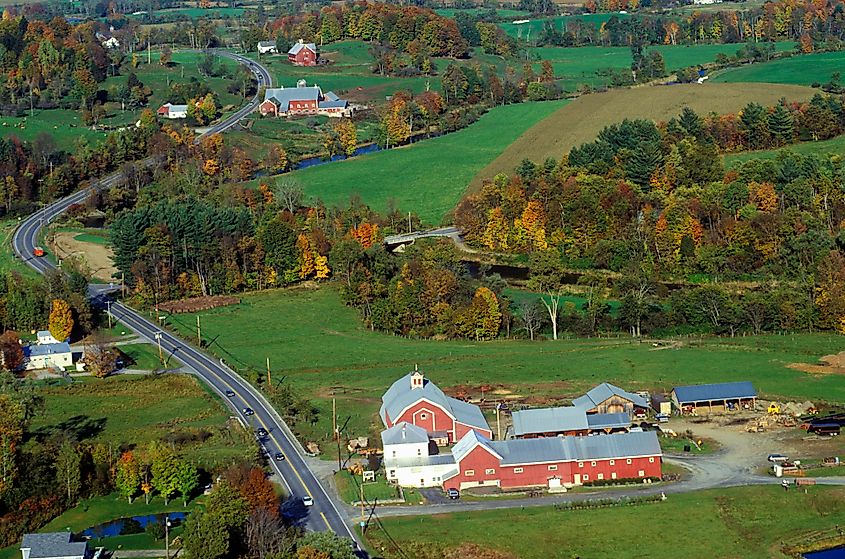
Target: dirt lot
(582, 120)
(97, 257)
(829, 364)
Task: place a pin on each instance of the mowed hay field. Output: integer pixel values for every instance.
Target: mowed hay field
(322, 348)
(804, 70)
(834, 146)
(584, 118)
(749, 522)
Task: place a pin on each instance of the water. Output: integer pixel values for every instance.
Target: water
(837, 553)
(313, 161)
(129, 525)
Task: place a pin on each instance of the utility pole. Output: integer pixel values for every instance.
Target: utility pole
(167, 538)
(363, 516)
(108, 312)
(335, 434)
(199, 332)
(149, 54)
(498, 423)
(269, 383)
(160, 356)
(122, 281)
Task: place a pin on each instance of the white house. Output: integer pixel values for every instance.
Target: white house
(45, 337)
(108, 41)
(265, 47)
(53, 545)
(408, 460)
(48, 356)
(171, 111)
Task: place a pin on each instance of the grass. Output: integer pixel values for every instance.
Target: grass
(145, 357)
(799, 70)
(834, 146)
(584, 118)
(675, 445)
(321, 348)
(748, 522)
(533, 28)
(500, 12)
(133, 411)
(9, 262)
(350, 491)
(425, 186)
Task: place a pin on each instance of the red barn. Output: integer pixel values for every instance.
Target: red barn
(303, 54)
(553, 462)
(418, 401)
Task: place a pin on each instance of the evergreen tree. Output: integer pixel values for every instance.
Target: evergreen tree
(781, 125)
(753, 124)
(691, 122)
(642, 163)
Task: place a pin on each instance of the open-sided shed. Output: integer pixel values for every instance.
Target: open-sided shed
(712, 398)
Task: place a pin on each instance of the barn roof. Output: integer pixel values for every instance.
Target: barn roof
(604, 391)
(53, 544)
(267, 43)
(46, 349)
(549, 420)
(713, 392)
(404, 433)
(338, 104)
(282, 96)
(608, 420)
(567, 449)
(471, 440)
(401, 396)
(294, 50)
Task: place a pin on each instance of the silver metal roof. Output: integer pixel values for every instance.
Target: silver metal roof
(46, 349)
(53, 544)
(299, 46)
(602, 392)
(404, 433)
(549, 420)
(608, 420)
(400, 396)
(516, 452)
(713, 392)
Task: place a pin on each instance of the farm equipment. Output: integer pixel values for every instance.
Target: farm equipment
(774, 409)
(38, 251)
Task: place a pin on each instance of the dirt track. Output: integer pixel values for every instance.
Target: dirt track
(97, 257)
(582, 120)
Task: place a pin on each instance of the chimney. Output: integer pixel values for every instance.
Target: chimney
(403, 432)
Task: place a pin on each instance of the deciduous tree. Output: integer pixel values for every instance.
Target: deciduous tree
(61, 320)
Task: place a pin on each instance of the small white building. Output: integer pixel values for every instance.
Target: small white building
(265, 47)
(45, 337)
(108, 41)
(53, 545)
(171, 111)
(408, 460)
(48, 356)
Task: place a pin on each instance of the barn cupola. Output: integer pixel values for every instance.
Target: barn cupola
(417, 379)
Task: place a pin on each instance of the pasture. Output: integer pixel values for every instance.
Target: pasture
(746, 522)
(406, 175)
(583, 119)
(525, 31)
(323, 350)
(834, 146)
(805, 69)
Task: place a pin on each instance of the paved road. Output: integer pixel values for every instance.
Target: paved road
(297, 477)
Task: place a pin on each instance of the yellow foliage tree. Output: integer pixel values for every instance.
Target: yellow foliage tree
(306, 257)
(321, 267)
(61, 320)
(763, 196)
(347, 136)
(496, 234)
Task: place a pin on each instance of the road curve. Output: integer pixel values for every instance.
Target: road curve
(294, 472)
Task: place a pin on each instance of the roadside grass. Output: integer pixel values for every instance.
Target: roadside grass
(834, 146)
(131, 411)
(749, 522)
(350, 491)
(800, 70)
(321, 349)
(9, 262)
(145, 357)
(427, 177)
(676, 445)
(582, 120)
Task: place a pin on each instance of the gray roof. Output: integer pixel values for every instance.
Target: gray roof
(339, 104)
(418, 461)
(282, 96)
(549, 420)
(53, 544)
(604, 391)
(46, 349)
(712, 392)
(332, 96)
(299, 46)
(470, 441)
(608, 420)
(400, 396)
(266, 43)
(565, 449)
(404, 433)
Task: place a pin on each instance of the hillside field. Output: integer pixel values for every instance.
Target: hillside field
(584, 118)
(416, 176)
(747, 522)
(322, 349)
(834, 146)
(800, 70)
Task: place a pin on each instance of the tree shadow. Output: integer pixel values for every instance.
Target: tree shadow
(78, 427)
(295, 512)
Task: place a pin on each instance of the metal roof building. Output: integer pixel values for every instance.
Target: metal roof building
(713, 397)
(404, 433)
(52, 545)
(549, 420)
(608, 421)
(607, 398)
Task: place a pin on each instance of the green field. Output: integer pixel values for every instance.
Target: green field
(531, 30)
(195, 13)
(350, 489)
(322, 349)
(504, 13)
(135, 410)
(145, 357)
(8, 261)
(802, 70)
(747, 522)
(834, 146)
(405, 174)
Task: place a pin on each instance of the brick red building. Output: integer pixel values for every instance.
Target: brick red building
(553, 462)
(303, 100)
(303, 54)
(418, 401)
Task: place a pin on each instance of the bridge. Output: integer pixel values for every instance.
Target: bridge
(394, 242)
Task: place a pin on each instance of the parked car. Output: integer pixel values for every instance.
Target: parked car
(776, 458)
(453, 493)
(230, 394)
(662, 418)
(280, 457)
(307, 501)
(248, 411)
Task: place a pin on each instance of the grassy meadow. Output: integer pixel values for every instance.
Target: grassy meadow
(834, 146)
(322, 349)
(800, 70)
(405, 174)
(132, 410)
(748, 522)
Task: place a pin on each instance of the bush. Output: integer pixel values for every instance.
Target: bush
(619, 481)
(155, 530)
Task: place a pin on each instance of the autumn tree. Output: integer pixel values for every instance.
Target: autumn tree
(11, 350)
(68, 469)
(61, 320)
(187, 479)
(830, 295)
(347, 136)
(164, 468)
(547, 278)
(100, 359)
(11, 436)
(128, 475)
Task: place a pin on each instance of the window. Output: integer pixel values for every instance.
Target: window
(419, 452)
(613, 462)
(553, 467)
(580, 464)
(651, 459)
(490, 471)
(469, 473)
(394, 454)
(600, 476)
(593, 463)
(517, 470)
(629, 460)
(586, 477)
(641, 473)
(613, 475)
(423, 416)
(392, 473)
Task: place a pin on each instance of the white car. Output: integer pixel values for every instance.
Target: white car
(307, 501)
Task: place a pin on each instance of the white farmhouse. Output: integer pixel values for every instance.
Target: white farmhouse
(53, 545)
(171, 111)
(45, 337)
(265, 47)
(408, 460)
(48, 356)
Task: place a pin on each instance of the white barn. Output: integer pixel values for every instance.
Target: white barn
(408, 460)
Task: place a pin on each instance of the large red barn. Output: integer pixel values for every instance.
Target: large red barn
(303, 54)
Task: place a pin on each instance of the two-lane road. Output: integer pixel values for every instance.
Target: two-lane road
(295, 473)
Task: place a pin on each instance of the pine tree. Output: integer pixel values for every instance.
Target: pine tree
(691, 122)
(781, 125)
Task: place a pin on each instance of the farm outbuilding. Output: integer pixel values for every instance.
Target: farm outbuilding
(566, 421)
(714, 398)
(607, 398)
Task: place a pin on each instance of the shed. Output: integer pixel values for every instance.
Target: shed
(661, 404)
(712, 398)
